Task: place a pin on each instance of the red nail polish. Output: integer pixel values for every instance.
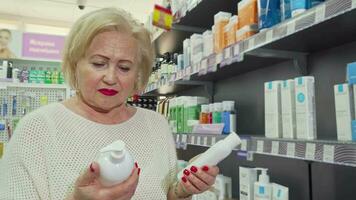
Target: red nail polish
(194, 169)
(136, 165)
(184, 179)
(205, 168)
(91, 168)
(186, 172)
(139, 171)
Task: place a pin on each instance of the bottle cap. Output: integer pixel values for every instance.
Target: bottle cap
(205, 108)
(228, 105)
(217, 107)
(263, 177)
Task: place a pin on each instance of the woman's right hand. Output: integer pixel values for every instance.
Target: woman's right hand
(88, 186)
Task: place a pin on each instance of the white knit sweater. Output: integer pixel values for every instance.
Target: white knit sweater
(52, 146)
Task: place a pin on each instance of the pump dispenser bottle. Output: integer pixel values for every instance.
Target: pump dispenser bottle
(115, 163)
(216, 153)
(263, 188)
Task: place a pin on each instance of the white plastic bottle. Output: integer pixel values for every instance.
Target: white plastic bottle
(115, 163)
(216, 153)
(263, 188)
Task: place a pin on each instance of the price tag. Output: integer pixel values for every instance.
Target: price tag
(310, 151)
(236, 49)
(205, 141)
(260, 146)
(227, 53)
(291, 149)
(320, 13)
(244, 145)
(212, 60)
(291, 27)
(329, 152)
(269, 36)
(275, 147)
(177, 138)
(188, 71)
(213, 141)
(192, 139)
(204, 64)
(198, 140)
(219, 58)
(251, 43)
(184, 138)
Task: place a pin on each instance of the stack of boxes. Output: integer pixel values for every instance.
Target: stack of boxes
(290, 109)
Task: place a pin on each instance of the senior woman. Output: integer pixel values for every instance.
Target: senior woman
(107, 57)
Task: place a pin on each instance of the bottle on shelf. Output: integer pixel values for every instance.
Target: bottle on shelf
(217, 113)
(203, 119)
(48, 76)
(263, 188)
(229, 117)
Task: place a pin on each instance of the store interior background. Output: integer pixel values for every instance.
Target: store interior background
(307, 180)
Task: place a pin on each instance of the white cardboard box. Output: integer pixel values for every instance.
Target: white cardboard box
(288, 109)
(344, 111)
(305, 107)
(273, 123)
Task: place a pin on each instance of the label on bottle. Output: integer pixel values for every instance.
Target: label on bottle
(310, 151)
(328, 154)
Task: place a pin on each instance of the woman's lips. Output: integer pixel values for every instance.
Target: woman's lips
(108, 92)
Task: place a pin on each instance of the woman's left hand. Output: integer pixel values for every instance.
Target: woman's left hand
(197, 180)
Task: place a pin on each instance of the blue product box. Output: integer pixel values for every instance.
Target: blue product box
(353, 129)
(351, 73)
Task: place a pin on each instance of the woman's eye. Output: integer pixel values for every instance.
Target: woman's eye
(124, 68)
(98, 65)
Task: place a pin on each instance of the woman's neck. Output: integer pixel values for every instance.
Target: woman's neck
(115, 116)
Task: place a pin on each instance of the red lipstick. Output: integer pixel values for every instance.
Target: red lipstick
(108, 92)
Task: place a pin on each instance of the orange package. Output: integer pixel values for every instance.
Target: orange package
(247, 12)
(246, 32)
(221, 19)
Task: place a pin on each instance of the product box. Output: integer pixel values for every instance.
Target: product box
(344, 110)
(305, 107)
(247, 179)
(351, 73)
(246, 32)
(208, 43)
(273, 123)
(288, 109)
(196, 42)
(192, 107)
(221, 19)
(186, 53)
(180, 114)
(247, 13)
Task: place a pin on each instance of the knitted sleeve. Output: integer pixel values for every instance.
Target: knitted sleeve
(23, 173)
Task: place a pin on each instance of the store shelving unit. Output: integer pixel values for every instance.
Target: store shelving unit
(334, 152)
(293, 39)
(172, 41)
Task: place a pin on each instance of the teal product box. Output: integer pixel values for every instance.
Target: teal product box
(353, 129)
(351, 73)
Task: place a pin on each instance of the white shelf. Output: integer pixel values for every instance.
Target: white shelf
(326, 151)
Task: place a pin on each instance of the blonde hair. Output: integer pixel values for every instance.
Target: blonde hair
(107, 19)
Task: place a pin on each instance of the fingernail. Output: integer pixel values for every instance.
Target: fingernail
(91, 168)
(205, 168)
(194, 169)
(136, 165)
(184, 179)
(186, 172)
(139, 171)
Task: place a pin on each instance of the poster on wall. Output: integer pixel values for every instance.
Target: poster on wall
(10, 43)
(41, 46)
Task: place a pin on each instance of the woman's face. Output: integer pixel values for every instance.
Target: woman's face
(108, 72)
(4, 39)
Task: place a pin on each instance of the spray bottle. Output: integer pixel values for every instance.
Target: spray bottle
(263, 188)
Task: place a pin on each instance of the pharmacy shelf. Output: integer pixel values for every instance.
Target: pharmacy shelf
(197, 20)
(327, 25)
(34, 63)
(5, 85)
(333, 152)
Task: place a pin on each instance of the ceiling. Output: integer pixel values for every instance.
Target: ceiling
(67, 11)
